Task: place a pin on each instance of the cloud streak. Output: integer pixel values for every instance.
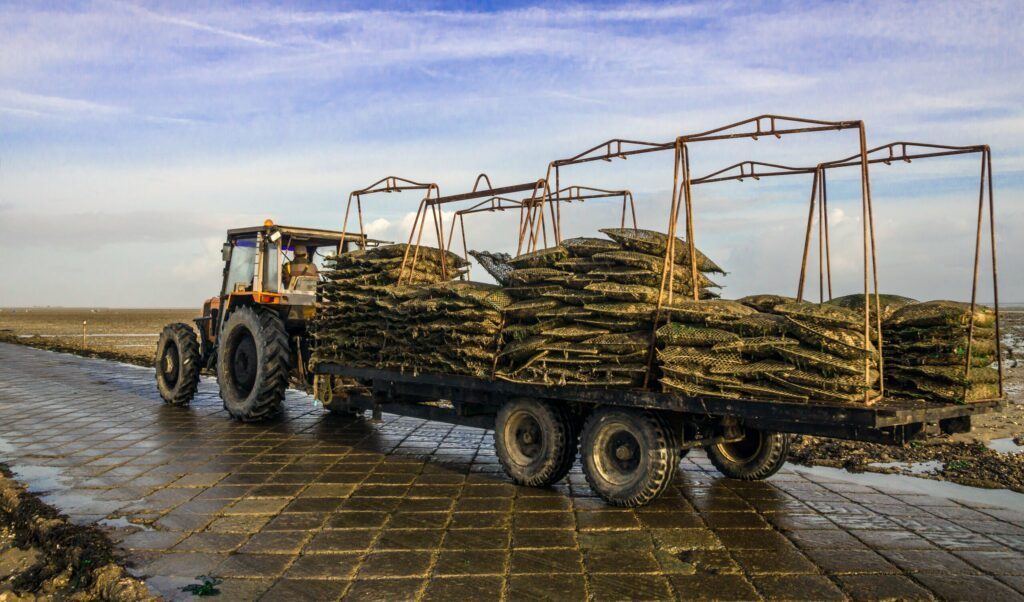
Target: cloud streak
(159, 125)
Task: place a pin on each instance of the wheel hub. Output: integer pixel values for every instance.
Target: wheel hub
(525, 438)
(169, 365)
(244, 363)
(619, 455)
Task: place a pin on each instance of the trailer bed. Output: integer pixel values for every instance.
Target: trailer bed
(887, 421)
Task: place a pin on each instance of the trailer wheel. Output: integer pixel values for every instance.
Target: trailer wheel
(759, 455)
(253, 364)
(534, 441)
(629, 457)
(178, 362)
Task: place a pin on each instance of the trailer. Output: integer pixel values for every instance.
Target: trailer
(630, 441)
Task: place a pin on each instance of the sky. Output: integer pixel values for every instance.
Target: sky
(133, 134)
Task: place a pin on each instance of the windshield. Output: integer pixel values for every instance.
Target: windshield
(242, 267)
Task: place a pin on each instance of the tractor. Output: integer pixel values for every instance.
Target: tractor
(254, 334)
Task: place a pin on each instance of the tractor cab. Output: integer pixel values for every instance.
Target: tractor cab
(254, 333)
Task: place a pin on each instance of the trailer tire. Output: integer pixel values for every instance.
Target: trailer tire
(253, 364)
(534, 441)
(758, 456)
(178, 362)
(629, 457)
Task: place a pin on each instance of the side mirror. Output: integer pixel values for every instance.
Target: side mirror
(225, 252)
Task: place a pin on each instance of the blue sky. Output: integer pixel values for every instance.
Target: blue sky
(132, 134)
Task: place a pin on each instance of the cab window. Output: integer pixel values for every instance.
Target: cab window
(242, 267)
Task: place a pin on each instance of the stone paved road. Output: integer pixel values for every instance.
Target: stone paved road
(317, 507)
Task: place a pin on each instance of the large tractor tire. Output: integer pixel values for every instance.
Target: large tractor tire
(253, 364)
(178, 362)
(535, 441)
(759, 455)
(629, 457)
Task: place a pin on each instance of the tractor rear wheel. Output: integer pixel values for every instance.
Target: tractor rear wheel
(253, 364)
(178, 362)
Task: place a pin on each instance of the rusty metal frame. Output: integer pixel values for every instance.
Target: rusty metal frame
(753, 129)
(528, 213)
(893, 152)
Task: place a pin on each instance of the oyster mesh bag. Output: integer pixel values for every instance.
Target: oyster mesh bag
(926, 352)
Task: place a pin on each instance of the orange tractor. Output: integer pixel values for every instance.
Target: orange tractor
(254, 334)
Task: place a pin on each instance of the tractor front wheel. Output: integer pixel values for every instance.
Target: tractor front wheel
(178, 361)
(253, 364)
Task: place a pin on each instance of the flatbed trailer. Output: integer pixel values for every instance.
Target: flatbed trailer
(745, 438)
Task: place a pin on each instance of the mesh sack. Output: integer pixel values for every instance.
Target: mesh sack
(837, 341)
(699, 357)
(531, 292)
(941, 313)
(848, 384)
(765, 303)
(528, 276)
(814, 393)
(622, 342)
(425, 253)
(656, 243)
(495, 264)
(544, 258)
(752, 369)
(957, 393)
(699, 311)
(528, 308)
(568, 312)
(634, 275)
(822, 314)
(889, 303)
(809, 358)
(580, 265)
(698, 375)
(957, 357)
(754, 325)
(755, 344)
(764, 391)
(951, 374)
(625, 292)
(585, 247)
(682, 334)
(637, 310)
(635, 259)
(610, 323)
(692, 390)
(568, 347)
(573, 333)
(574, 296)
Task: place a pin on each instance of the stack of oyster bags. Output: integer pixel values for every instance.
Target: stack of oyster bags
(767, 347)
(365, 319)
(926, 352)
(583, 311)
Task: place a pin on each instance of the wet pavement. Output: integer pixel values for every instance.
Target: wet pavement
(318, 507)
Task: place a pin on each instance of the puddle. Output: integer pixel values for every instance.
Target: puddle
(6, 450)
(929, 467)
(123, 523)
(1005, 446)
(40, 478)
(1003, 498)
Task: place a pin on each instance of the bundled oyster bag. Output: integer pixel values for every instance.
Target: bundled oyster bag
(587, 307)
(426, 324)
(926, 352)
